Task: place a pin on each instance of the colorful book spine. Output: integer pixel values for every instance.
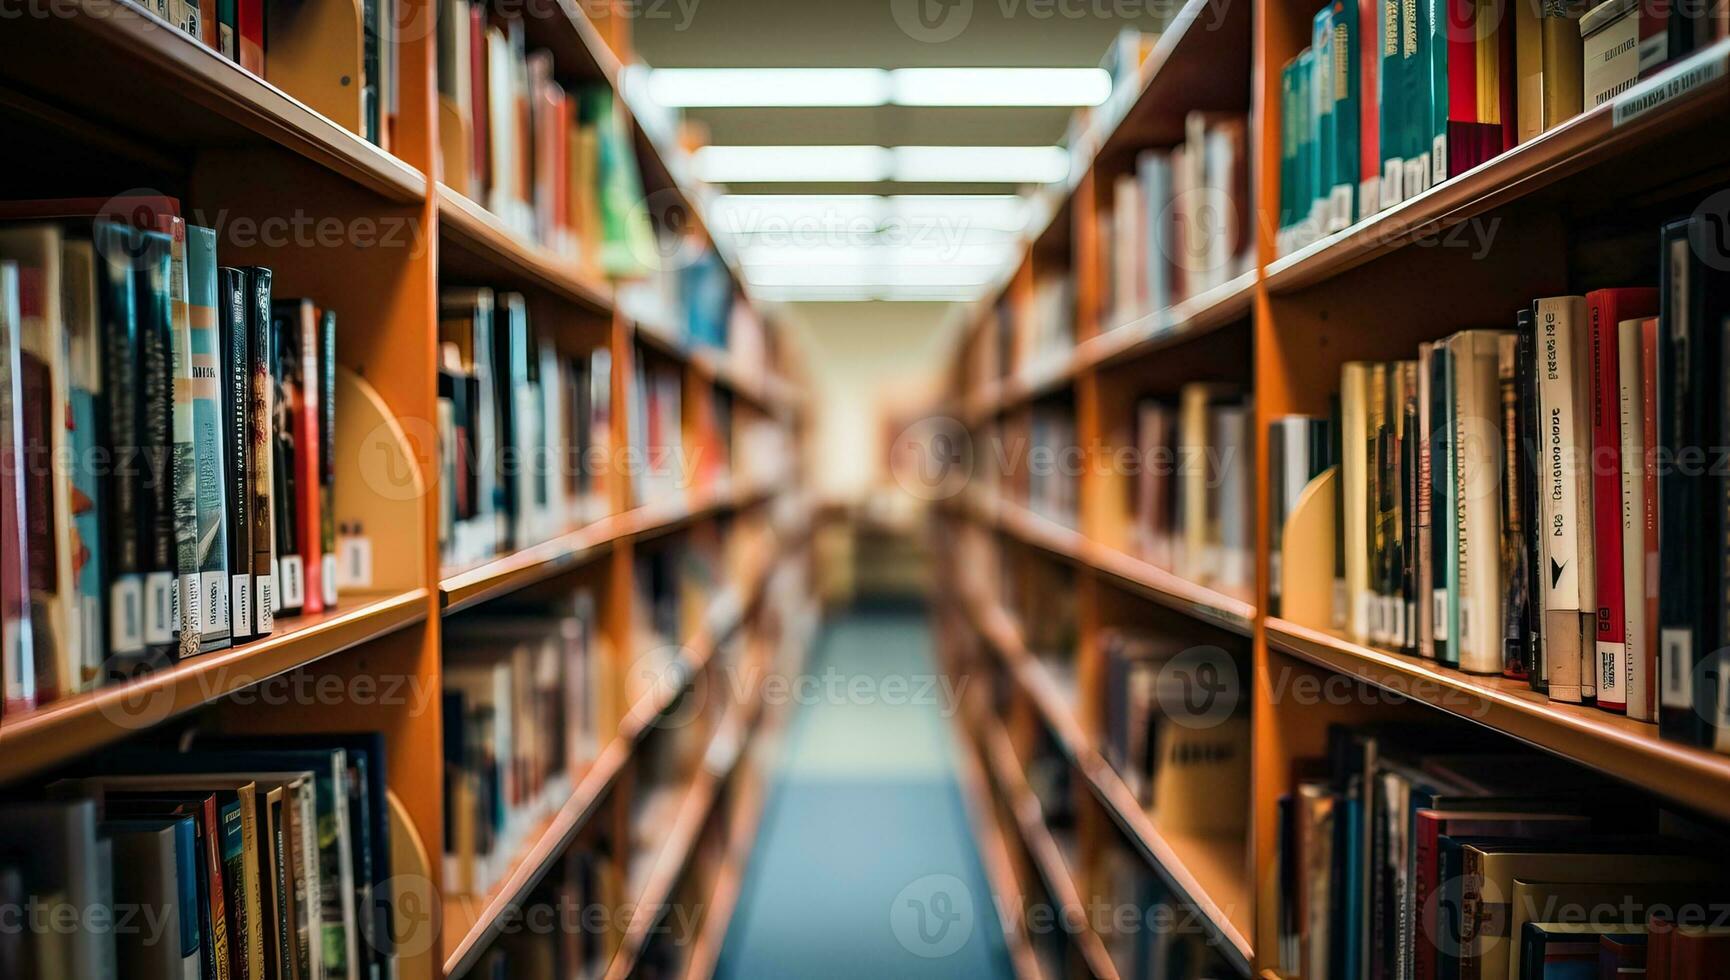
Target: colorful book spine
(327, 455)
(289, 331)
(156, 438)
(17, 653)
(79, 312)
(260, 343)
(189, 593)
(1346, 94)
(209, 446)
(237, 448)
(123, 559)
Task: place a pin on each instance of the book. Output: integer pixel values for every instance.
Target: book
(17, 646)
(210, 494)
(1565, 493)
(260, 352)
(122, 495)
(149, 874)
(87, 658)
(1476, 599)
(188, 603)
(233, 301)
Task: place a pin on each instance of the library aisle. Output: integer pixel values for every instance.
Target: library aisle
(865, 865)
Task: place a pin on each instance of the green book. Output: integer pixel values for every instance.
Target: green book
(1392, 103)
(1288, 144)
(1346, 85)
(1322, 44)
(1436, 20)
(1415, 79)
(1444, 514)
(1306, 135)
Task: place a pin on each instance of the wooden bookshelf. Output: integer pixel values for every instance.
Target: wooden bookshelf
(1281, 330)
(163, 111)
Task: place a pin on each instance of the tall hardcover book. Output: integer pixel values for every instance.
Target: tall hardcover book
(78, 304)
(260, 348)
(326, 385)
(1608, 308)
(1528, 479)
(17, 649)
(295, 322)
(1637, 662)
(1477, 626)
(207, 384)
(1444, 504)
(124, 499)
(1563, 423)
(183, 466)
(232, 301)
(1515, 516)
(47, 488)
(1649, 418)
(1355, 440)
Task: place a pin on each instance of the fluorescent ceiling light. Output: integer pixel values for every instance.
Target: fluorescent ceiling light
(850, 275)
(866, 219)
(750, 164)
(999, 86)
(930, 251)
(996, 212)
(981, 164)
(768, 87)
(866, 164)
(695, 88)
(866, 294)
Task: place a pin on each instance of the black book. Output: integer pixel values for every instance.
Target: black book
(1526, 480)
(237, 447)
(125, 547)
(260, 341)
(156, 525)
(327, 453)
(1441, 492)
(288, 375)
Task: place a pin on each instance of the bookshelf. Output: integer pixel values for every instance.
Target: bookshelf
(234, 146)
(1280, 330)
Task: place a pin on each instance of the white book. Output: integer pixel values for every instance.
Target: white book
(1635, 659)
(1478, 442)
(1561, 428)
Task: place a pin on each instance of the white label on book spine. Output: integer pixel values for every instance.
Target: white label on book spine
(1676, 656)
(1438, 159)
(126, 624)
(275, 592)
(215, 602)
(1392, 185)
(240, 604)
(1366, 614)
(262, 601)
(292, 581)
(1610, 677)
(327, 578)
(1672, 86)
(356, 564)
(1439, 615)
(159, 605)
(190, 615)
(1417, 175)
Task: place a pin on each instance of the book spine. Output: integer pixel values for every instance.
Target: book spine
(1632, 421)
(237, 448)
(261, 341)
(1557, 320)
(288, 329)
(1649, 333)
(1369, 107)
(86, 424)
(327, 454)
(117, 248)
(1423, 537)
(17, 653)
(1530, 453)
(249, 15)
(1606, 480)
(1450, 509)
(1438, 64)
(1514, 514)
(1441, 483)
(307, 458)
(219, 955)
(36, 388)
(156, 391)
(209, 444)
(189, 604)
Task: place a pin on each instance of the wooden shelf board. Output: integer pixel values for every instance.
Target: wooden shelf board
(1190, 67)
(472, 924)
(1588, 138)
(767, 391)
(1047, 854)
(1161, 332)
(1612, 743)
(462, 588)
(994, 856)
(1211, 874)
(176, 86)
(35, 740)
(500, 254)
(1232, 612)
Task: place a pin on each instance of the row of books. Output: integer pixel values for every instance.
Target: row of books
(1393, 98)
(525, 428)
(581, 944)
(248, 857)
(664, 463)
(1299, 450)
(275, 42)
(1415, 852)
(686, 294)
(527, 704)
(1180, 224)
(1190, 772)
(165, 447)
(1541, 502)
(1192, 509)
(555, 164)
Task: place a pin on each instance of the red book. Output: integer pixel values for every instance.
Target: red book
(1698, 953)
(481, 126)
(306, 483)
(249, 17)
(1610, 307)
(1462, 86)
(1649, 399)
(1369, 104)
(1659, 930)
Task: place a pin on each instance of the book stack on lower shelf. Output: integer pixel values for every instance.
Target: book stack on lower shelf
(237, 857)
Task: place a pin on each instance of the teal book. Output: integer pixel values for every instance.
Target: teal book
(189, 596)
(210, 491)
(1306, 134)
(1436, 20)
(1391, 109)
(124, 547)
(1346, 93)
(1414, 76)
(1322, 44)
(1288, 144)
